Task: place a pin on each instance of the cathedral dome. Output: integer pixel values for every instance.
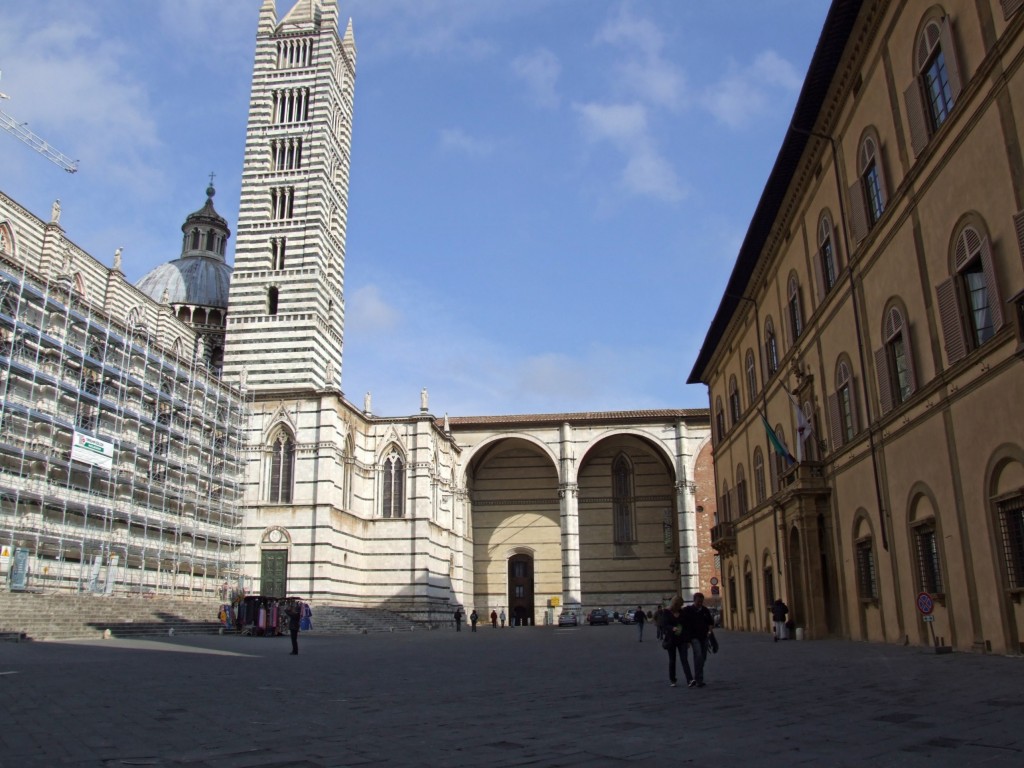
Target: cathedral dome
(200, 277)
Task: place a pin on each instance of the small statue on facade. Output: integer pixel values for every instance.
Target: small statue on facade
(367, 408)
(55, 212)
(117, 259)
(423, 400)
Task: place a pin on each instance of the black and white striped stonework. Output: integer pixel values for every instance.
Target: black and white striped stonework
(286, 307)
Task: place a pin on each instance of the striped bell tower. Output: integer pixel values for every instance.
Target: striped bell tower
(286, 315)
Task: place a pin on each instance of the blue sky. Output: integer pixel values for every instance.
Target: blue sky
(546, 196)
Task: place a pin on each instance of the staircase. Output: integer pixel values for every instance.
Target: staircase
(33, 616)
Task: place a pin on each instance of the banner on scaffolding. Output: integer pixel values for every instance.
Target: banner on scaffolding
(91, 450)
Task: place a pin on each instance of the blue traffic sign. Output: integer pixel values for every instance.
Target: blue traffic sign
(925, 604)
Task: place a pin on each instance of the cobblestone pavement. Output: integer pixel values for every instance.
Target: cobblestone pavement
(505, 697)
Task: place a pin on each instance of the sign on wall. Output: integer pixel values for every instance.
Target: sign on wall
(92, 450)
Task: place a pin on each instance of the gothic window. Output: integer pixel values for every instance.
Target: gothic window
(622, 500)
(290, 106)
(272, 300)
(969, 307)
(393, 490)
(725, 503)
(771, 347)
(794, 309)
(751, 377)
(282, 203)
(868, 194)
(734, 401)
(292, 53)
(894, 362)
(277, 250)
(282, 468)
(937, 83)
(867, 583)
(760, 490)
(929, 571)
(748, 590)
(1010, 513)
(842, 407)
(825, 265)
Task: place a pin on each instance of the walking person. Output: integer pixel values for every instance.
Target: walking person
(641, 619)
(294, 613)
(697, 623)
(779, 611)
(672, 639)
(502, 617)
(494, 618)
(458, 619)
(474, 617)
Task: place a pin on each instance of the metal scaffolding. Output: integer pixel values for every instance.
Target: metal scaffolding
(120, 459)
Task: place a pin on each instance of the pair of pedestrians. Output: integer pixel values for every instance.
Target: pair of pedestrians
(686, 629)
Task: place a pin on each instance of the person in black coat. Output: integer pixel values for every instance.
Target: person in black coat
(294, 613)
(697, 623)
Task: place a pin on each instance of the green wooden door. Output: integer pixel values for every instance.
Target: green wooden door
(274, 573)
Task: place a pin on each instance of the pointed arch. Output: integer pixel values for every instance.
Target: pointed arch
(282, 467)
(393, 483)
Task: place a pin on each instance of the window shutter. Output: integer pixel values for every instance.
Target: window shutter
(916, 117)
(995, 304)
(1010, 7)
(909, 349)
(952, 63)
(884, 385)
(819, 277)
(1018, 222)
(858, 212)
(952, 324)
(853, 406)
(835, 421)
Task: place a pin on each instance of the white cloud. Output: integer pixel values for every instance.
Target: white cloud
(646, 172)
(642, 72)
(457, 140)
(745, 93)
(539, 71)
(368, 312)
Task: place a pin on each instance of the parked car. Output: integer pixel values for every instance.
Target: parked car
(598, 616)
(628, 617)
(568, 619)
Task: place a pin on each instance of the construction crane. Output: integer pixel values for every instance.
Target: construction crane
(20, 131)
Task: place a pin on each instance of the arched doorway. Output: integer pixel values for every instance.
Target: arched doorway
(520, 589)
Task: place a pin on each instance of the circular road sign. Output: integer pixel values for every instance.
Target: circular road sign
(714, 581)
(925, 604)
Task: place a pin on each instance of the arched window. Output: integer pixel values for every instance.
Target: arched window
(741, 492)
(794, 309)
(867, 580)
(825, 266)
(393, 489)
(623, 500)
(282, 468)
(895, 362)
(751, 376)
(771, 347)
(734, 401)
(937, 83)
(867, 196)
(969, 305)
(719, 419)
(929, 567)
(760, 491)
(842, 407)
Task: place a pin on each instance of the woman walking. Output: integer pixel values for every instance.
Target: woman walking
(672, 640)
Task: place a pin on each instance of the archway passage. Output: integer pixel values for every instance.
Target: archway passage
(520, 589)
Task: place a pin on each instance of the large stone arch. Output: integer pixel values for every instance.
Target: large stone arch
(513, 486)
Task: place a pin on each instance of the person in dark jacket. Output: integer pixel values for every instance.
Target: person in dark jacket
(474, 617)
(641, 618)
(779, 611)
(294, 613)
(672, 639)
(458, 619)
(697, 623)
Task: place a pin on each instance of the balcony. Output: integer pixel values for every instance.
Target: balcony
(723, 538)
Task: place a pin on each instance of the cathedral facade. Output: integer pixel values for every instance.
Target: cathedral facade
(528, 514)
